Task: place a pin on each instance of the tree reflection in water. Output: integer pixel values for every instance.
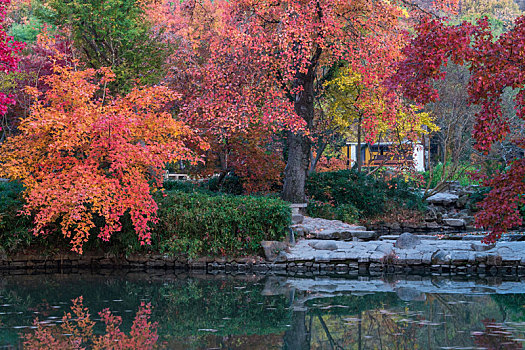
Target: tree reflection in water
(76, 331)
(203, 312)
(378, 321)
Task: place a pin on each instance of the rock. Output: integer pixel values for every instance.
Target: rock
(332, 233)
(512, 237)
(384, 248)
(478, 247)
(433, 226)
(410, 294)
(272, 249)
(462, 201)
(441, 258)
(454, 222)
(297, 219)
(407, 241)
(364, 235)
(323, 245)
(443, 198)
(393, 226)
(431, 214)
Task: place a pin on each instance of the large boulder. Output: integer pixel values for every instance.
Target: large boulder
(407, 241)
(272, 249)
(443, 198)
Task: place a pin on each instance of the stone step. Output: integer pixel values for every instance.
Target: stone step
(395, 237)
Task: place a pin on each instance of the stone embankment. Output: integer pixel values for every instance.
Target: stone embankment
(405, 254)
(448, 211)
(408, 253)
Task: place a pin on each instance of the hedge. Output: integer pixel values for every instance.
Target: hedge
(355, 192)
(200, 224)
(192, 222)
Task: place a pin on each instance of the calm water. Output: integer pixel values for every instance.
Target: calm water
(211, 312)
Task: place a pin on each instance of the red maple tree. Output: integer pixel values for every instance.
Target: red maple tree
(8, 56)
(247, 64)
(495, 64)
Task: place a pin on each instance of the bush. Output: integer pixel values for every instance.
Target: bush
(356, 193)
(231, 184)
(192, 222)
(196, 223)
(344, 212)
(14, 228)
(462, 178)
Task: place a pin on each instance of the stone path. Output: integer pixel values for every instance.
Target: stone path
(425, 255)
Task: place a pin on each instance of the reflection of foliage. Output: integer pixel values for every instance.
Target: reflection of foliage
(512, 305)
(181, 307)
(237, 307)
(495, 337)
(76, 331)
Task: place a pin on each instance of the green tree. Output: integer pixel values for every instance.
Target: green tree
(115, 34)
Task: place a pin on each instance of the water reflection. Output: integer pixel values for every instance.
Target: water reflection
(250, 312)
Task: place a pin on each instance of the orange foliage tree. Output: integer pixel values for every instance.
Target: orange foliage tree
(83, 155)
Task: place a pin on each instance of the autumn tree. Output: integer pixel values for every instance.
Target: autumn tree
(34, 62)
(289, 49)
(8, 58)
(226, 93)
(496, 65)
(84, 155)
(360, 112)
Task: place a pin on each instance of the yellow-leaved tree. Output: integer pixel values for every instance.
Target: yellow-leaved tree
(365, 114)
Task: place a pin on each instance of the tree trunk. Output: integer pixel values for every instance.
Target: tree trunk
(296, 169)
(315, 160)
(296, 337)
(299, 145)
(358, 148)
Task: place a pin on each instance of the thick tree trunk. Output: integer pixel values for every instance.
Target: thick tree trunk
(296, 168)
(299, 145)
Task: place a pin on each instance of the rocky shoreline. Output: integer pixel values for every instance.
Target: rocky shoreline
(409, 254)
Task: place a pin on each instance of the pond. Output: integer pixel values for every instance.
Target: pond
(257, 312)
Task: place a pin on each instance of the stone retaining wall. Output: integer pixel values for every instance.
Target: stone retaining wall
(69, 263)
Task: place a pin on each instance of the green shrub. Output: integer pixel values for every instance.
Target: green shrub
(347, 187)
(463, 178)
(231, 184)
(14, 228)
(196, 223)
(182, 186)
(351, 192)
(344, 212)
(192, 222)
